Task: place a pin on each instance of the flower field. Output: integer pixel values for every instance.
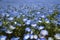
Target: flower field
(29, 23)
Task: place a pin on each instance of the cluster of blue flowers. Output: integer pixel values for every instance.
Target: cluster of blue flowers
(35, 23)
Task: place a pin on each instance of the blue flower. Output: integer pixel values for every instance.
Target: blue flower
(42, 38)
(25, 19)
(34, 25)
(28, 22)
(26, 36)
(1, 23)
(31, 36)
(2, 14)
(39, 21)
(31, 32)
(3, 37)
(12, 27)
(7, 15)
(35, 37)
(28, 29)
(43, 16)
(50, 11)
(40, 27)
(44, 32)
(47, 20)
(57, 36)
(8, 31)
(18, 24)
(15, 38)
(38, 13)
(11, 18)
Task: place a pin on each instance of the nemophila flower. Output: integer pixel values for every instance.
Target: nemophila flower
(28, 22)
(44, 32)
(26, 36)
(43, 16)
(36, 19)
(31, 32)
(28, 29)
(15, 13)
(38, 39)
(33, 25)
(31, 36)
(18, 16)
(47, 20)
(18, 24)
(7, 15)
(57, 36)
(8, 31)
(12, 27)
(50, 11)
(1, 23)
(15, 38)
(40, 27)
(25, 19)
(50, 38)
(35, 36)
(43, 38)
(33, 21)
(2, 14)
(39, 21)
(3, 37)
(38, 12)
(11, 18)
